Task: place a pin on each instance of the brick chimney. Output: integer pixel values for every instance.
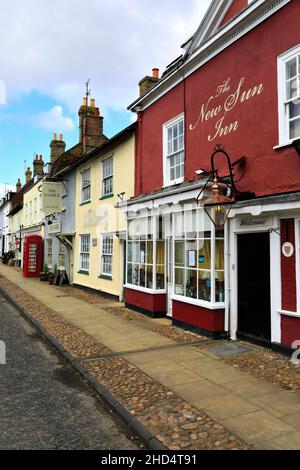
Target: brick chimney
(57, 147)
(18, 185)
(28, 175)
(90, 126)
(148, 82)
(38, 166)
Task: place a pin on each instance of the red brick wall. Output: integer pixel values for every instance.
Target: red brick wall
(200, 317)
(288, 268)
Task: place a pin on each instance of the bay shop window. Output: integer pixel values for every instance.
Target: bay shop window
(197, 253)
(198, 258)
(145, 254)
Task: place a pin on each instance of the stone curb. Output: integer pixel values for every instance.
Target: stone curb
(144, 434)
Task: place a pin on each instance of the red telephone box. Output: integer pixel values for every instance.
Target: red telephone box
(32, 255)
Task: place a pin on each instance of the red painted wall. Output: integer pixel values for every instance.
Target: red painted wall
(288, 268)
(153, 303)
(200, 317)
(290, 330)
(254, 59)
(236, 7)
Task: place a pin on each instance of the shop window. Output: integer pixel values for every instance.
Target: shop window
(173, 136)
(198, 260)
(84, 261)
(86, 185)
(289, 95)
(107, 178)
(143, 268)
(49, 251)
(107, 255)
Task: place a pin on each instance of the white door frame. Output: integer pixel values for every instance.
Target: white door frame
(275, 277)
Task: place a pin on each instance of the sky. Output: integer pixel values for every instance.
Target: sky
(48, 51)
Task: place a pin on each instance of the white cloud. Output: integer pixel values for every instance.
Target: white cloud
(54, 120)
(55, 46)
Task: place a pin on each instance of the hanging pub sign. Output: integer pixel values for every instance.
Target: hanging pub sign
(51, 197)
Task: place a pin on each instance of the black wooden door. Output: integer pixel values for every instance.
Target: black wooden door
(254, 307)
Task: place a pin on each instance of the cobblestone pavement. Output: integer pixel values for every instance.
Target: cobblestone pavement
(44, 404)
(268, 365)
(116, 308)
(259, 361)
(174, 421)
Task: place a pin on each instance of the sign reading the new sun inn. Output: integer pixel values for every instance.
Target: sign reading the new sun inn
(219, 107)
(52, 193)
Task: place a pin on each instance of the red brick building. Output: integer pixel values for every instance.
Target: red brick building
(237, 84)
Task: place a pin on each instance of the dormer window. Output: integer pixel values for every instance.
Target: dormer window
(173, 150)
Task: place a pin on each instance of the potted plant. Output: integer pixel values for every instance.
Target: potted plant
(44, 276)
(51, 278)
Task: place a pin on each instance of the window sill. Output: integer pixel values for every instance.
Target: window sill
(144, 289)
(106, 196)
(286, 144)
(86, 273)
(105, 277)
(173, 183)
(287, 313)
(85, 202)
(199, 303)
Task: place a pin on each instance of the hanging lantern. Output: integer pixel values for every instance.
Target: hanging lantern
(217, 206)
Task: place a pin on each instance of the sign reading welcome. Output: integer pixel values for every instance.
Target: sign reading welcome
(212, 110)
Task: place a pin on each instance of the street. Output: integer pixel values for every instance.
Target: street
(44, 404)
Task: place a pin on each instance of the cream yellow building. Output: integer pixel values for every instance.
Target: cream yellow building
(104, 177)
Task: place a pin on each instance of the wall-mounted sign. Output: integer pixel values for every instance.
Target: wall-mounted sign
(94, 241)
(52, 197)
(288, 249)
(225, 99)
(253, 223)
(54, 228)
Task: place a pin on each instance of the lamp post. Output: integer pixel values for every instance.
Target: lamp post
(218, 205)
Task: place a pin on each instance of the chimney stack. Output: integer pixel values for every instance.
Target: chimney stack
(28, 175)
(57, 147)
(148, 82)
(38, 166)
(18, 185)
(90, 126)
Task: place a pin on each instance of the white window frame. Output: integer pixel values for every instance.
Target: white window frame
(108, 176)
(86, 186)
(35, 210)
(30, 212)
(49, 253)
(41, 208)
(166, 156)
(213, 303)
(154, 240)
(107, 252)
(61, 255)
(87, 252)
(284, 131)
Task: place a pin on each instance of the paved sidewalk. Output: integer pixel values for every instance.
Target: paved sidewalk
(142, 366)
